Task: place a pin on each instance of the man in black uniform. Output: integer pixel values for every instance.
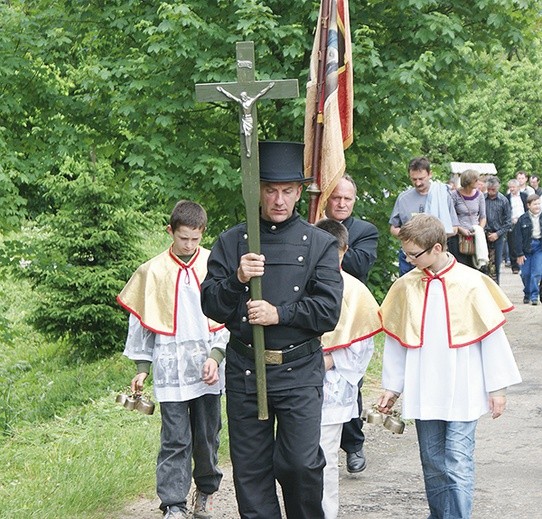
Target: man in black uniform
(359, 258)
(302, 291)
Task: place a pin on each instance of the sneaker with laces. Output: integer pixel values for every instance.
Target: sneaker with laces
(174, 512)
(203, 505)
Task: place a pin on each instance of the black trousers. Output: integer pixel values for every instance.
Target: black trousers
(352, 437)
(285, 448)
(190, 431)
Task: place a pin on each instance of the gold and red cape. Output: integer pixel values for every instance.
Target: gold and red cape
(474, 306)
(151, 293)
(359, 316)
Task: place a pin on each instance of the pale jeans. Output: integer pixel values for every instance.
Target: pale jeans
(330, 441)
(447, 456)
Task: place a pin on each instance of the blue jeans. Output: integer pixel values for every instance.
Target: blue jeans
(531, 271)
(447, 456)
(495, 249)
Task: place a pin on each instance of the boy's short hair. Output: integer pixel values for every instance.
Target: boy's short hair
(336, 229)
(188, 214)
(532, 198)
(424, 230)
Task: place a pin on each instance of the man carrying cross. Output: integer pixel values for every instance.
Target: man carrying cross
(302, 290)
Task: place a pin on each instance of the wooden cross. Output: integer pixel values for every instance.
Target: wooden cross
(246, 92)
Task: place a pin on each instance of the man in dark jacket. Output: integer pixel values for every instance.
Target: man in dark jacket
(302, 292)
(362, 235)
(359, 258)
(518, 206)
(498, 223)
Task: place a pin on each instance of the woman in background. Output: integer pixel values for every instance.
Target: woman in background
(469, 204)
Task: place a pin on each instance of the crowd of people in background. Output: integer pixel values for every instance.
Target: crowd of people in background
(511, 222)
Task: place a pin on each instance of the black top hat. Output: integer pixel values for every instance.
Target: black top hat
(281, 162)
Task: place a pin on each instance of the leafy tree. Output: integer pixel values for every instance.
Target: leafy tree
(118, 77)
(498, 121)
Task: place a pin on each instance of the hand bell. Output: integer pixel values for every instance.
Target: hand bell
(121, 398)
(144, 406)
(130, 403)
(394, 424)
(375, 417)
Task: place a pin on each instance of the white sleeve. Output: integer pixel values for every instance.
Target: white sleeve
(393, 365)
(220, 338)
(499, 365)
(139, 342)
(351, 363)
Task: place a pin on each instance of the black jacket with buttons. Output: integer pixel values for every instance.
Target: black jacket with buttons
(302, 280)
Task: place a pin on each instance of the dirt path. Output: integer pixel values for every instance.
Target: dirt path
(508, 452)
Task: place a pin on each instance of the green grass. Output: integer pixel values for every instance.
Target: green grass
(80, 465)
(85, 464)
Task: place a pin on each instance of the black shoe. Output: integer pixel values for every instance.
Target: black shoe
(515, 271)
(526, 300)
(534, 302)
(355, 461)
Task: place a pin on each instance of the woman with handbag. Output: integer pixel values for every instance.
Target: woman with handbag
(470, 207)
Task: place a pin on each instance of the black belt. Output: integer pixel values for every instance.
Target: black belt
(277, 356)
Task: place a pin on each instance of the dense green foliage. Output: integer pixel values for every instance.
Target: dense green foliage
(498, 121)
(116, 79)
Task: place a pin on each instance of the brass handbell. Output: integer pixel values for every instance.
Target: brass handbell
(121, 398)
(130, 402)
(135, 401)
(394, 423)
(375, 417)
(144, 406)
